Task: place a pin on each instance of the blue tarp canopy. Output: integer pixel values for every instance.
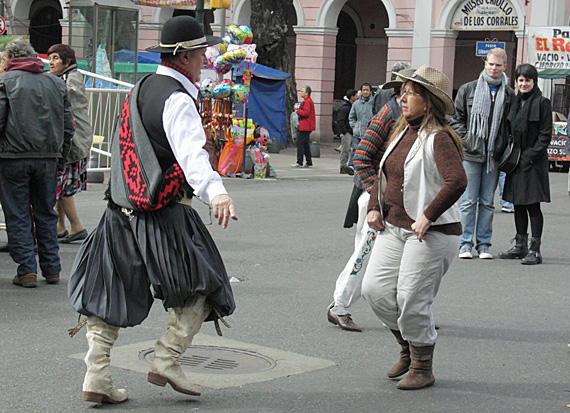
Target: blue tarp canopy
(266, 104)
(128, 56)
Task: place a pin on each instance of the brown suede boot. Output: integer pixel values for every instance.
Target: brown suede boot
(403, 364)
(421, 374)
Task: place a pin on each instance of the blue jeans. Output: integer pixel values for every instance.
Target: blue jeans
(504, 204)
(477, 204)
(25, 182)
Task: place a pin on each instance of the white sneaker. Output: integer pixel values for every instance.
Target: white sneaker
(296, 165)
(484, 253)
(465, 252)
(507, 210)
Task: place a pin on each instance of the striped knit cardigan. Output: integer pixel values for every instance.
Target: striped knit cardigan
(373, 145)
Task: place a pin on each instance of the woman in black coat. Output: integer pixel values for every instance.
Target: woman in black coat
(530, 119)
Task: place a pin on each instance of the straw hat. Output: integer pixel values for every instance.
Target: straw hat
(398, 81)
(436, 82)
(182, 34)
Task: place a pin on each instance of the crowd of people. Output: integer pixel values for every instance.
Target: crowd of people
(427, 169)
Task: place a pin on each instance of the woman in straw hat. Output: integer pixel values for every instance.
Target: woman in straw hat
(418, 220)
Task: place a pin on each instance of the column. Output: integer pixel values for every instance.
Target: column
(400, 47)
(315, 67)
(442, 52)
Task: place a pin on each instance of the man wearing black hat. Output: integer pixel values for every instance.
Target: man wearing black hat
(149, 234)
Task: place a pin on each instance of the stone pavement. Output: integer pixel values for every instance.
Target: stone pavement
(502, 345)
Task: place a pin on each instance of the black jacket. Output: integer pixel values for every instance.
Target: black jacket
(474, 149)
(342, 117)
(528, 183)
(35, 116)
(382, 97)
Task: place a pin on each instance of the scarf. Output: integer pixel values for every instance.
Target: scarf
(185, 73)
(65, 72)
(521, 109)
(479, 121)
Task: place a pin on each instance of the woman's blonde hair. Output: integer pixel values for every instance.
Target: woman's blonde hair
(434, 119)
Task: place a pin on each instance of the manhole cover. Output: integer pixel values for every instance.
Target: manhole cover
(218, 360)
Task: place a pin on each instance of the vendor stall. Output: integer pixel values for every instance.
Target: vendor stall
(267, 99)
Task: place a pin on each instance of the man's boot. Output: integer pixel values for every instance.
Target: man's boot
(533, 257)
(421, 374)
(519, 250)
(185, 322)
(403, 364)
(98, 386)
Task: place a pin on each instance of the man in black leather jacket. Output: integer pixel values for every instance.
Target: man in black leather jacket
(480, 121)
(345, 130)
(36, 127)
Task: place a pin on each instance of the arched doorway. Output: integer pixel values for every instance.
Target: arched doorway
(45, 29)
(345, 60)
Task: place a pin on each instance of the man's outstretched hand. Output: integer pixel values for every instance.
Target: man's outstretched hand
(224, 209)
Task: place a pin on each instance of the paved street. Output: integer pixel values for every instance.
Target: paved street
(502, 345)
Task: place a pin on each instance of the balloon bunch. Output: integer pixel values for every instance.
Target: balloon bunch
(235, 48)
(238, 93)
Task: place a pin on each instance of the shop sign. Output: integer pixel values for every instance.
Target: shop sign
(558, 150)
(484, 47)
(179, 4)
(485, 15)
(549, 47)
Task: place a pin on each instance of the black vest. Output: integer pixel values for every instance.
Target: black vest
(153, 94)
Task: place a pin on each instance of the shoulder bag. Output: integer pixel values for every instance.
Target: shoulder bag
(510, 157)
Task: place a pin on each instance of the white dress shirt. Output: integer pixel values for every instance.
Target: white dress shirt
(183, 126)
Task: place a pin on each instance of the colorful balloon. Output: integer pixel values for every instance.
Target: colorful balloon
(237, 35)
(248, 34)
(221, 91)
(207, 86)
(226, 41)
(240, 93)
(221, 65)
(211, 54)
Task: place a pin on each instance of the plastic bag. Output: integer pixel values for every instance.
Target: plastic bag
(231, 159)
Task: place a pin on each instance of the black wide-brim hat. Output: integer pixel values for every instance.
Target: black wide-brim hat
(182, 34)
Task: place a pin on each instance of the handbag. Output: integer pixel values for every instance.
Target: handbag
(510, 157)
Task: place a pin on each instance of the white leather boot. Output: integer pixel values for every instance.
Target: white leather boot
(184, 324)
(98, 386)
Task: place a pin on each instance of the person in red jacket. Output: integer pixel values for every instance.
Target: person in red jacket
(306, 112)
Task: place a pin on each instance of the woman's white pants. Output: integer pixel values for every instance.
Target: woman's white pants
(403, 277)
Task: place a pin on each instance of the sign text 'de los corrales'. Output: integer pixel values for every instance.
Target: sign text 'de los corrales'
(480, 15)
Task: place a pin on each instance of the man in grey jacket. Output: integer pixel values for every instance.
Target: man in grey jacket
(36, 127)
(360, 116)
(480, 121)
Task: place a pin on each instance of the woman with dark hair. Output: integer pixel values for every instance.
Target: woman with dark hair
(530, 119)
(62, 63)
(418, 220)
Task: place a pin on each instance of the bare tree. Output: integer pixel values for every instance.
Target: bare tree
(269, 23)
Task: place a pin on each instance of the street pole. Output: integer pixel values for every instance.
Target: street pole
(200, 13)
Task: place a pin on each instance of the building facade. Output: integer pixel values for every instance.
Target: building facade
(339, 44)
